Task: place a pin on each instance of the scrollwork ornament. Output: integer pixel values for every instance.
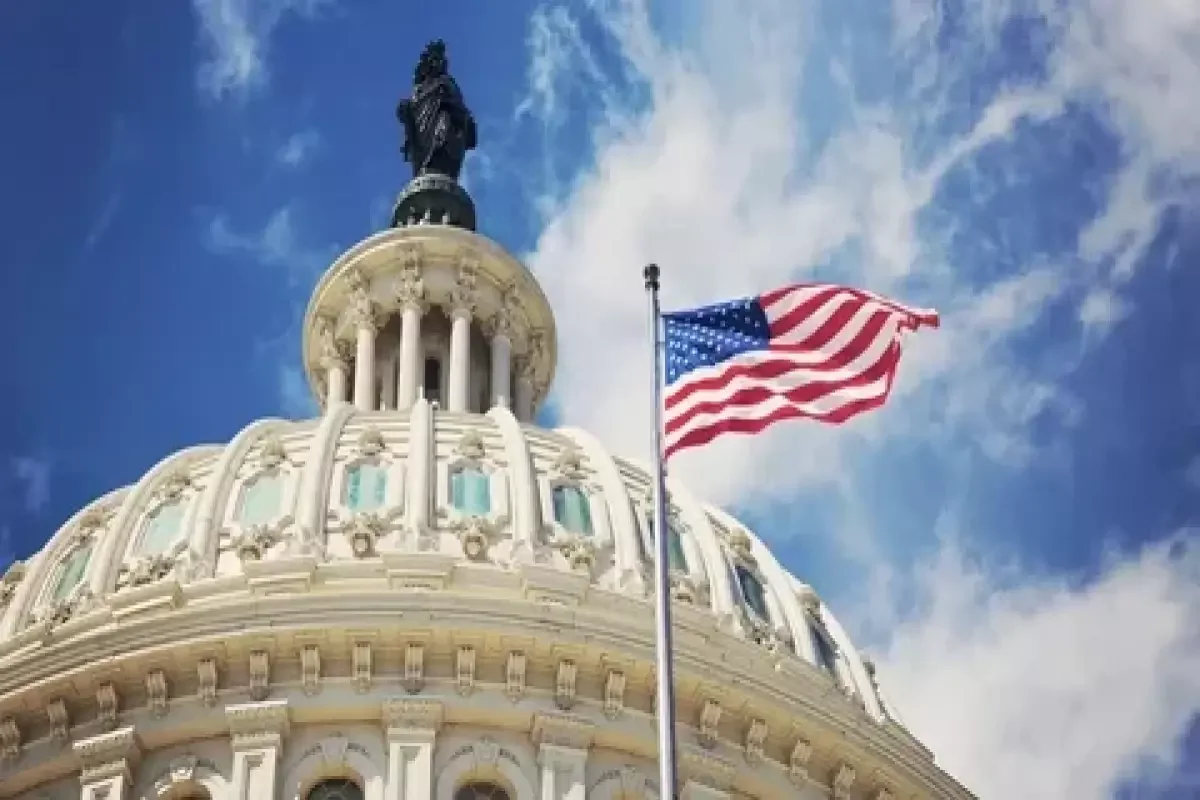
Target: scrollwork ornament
(410, 285)
(10, 582)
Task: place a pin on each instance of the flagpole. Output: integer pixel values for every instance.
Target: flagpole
(662, 583)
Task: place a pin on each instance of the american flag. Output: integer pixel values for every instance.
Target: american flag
(819, 351)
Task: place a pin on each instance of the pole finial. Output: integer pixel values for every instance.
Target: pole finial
(650, 273)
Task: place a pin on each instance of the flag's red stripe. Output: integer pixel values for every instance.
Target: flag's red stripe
(913, 317)
(754, 395)
(837, 416)
(768, 368)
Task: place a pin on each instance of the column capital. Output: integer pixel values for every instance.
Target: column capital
(410, 286)
(262, 724)
(108, 755)
(562, 730)
(410, 713)
(464, 295)
(360, 308)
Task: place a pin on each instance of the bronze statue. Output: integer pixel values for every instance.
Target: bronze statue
(438, 126)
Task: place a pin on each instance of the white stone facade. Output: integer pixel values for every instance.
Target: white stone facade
(421, 591)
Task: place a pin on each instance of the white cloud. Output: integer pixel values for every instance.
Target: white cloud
(713, 172)
(1036, 687)
(235, 35)
(34, 476)
(298, 148)
(275, 245)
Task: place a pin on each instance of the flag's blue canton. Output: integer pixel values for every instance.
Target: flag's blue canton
(707, 336)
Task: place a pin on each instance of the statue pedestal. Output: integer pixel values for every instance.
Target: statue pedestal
(434, 199)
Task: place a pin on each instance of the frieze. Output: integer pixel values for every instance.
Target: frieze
(407, 712)
(564, 730)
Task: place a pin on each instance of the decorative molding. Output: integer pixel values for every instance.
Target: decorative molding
(843, 779)
(260, 674)
(410, 712)
(360, 308)
(157, 693)
(12, 579)
(563, 730)
(206, 689)
(410, 287)
(706, 768)
(564, 684)
(262, 724)
(106, 706)
(614, 693)
(310, 669)
(798, 761)
(464, 670)
(756, 736)
(710, 719)
(514, 675)
(10, 740)
(60, 721)
(107, 755)
(360, 667)
(414, 667)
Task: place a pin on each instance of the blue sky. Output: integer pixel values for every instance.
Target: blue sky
(1013, 535)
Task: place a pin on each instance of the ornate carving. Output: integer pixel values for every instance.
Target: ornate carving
(412, 713)
(60, 722)
(106, 755)
(206, 690)
(410, 285)
(564, 684)
(710, 718)
(93, 521)
(148, 569)
(798, 761)
(332, 353)
(333, 750)
(504, 321)
(614, 694)
(740, 545)
(182, 769)
(360, 667)
(464, 295)
(370, 442)
(310, 669)
(273, 453)
(176, 482)
(809, 601)
(756, 736)
(464, 670)
(106, 706)
(514, 676)
(9, 583)
(157, 692)
(258, 724)
(414, 667)
(10, 740)
(471, 446)
(683, 588)
(252, 543)
(579, 551)
(476, 535)
(487, 751)
(360, 308)
(569, 463)
(843, 779)
(564, 730)
(64, 610)
(260, 674)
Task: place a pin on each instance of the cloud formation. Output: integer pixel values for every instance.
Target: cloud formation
(297, 149)
(33, 476)
(860, 143)
(235, 38)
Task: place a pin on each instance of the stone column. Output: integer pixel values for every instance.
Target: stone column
(335, 363)
(410, 296)
(462, 309)
(563, 741)
(362, 315)
(411, 727)
(523, 394)
(256, 733)
(107, 762)
(501, 365)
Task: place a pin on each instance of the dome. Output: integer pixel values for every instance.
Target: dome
(523, 540)
(421, 593)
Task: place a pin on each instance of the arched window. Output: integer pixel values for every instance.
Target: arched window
(676, 559)
(824, 650)
(71, 572)
(572, 509)
(482, 790)
(335, 789)
(753, 592)
(261, 499)
(471, 490)
(366, 487)
(433, 380)
(161, 529)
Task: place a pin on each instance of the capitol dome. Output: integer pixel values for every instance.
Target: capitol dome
(422, 594)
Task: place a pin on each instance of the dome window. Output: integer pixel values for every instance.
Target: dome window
(572, 509)
(471, 491)
(162, 529)
(824, 650)
(335, 789)
(261, 500)
(482, 790)
(753, 592)
(366, 487)
(676, 559)
(71, 572)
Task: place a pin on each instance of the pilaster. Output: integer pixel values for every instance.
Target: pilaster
(107, 762)
(256, 731)
(410, 727)
(563, 741)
